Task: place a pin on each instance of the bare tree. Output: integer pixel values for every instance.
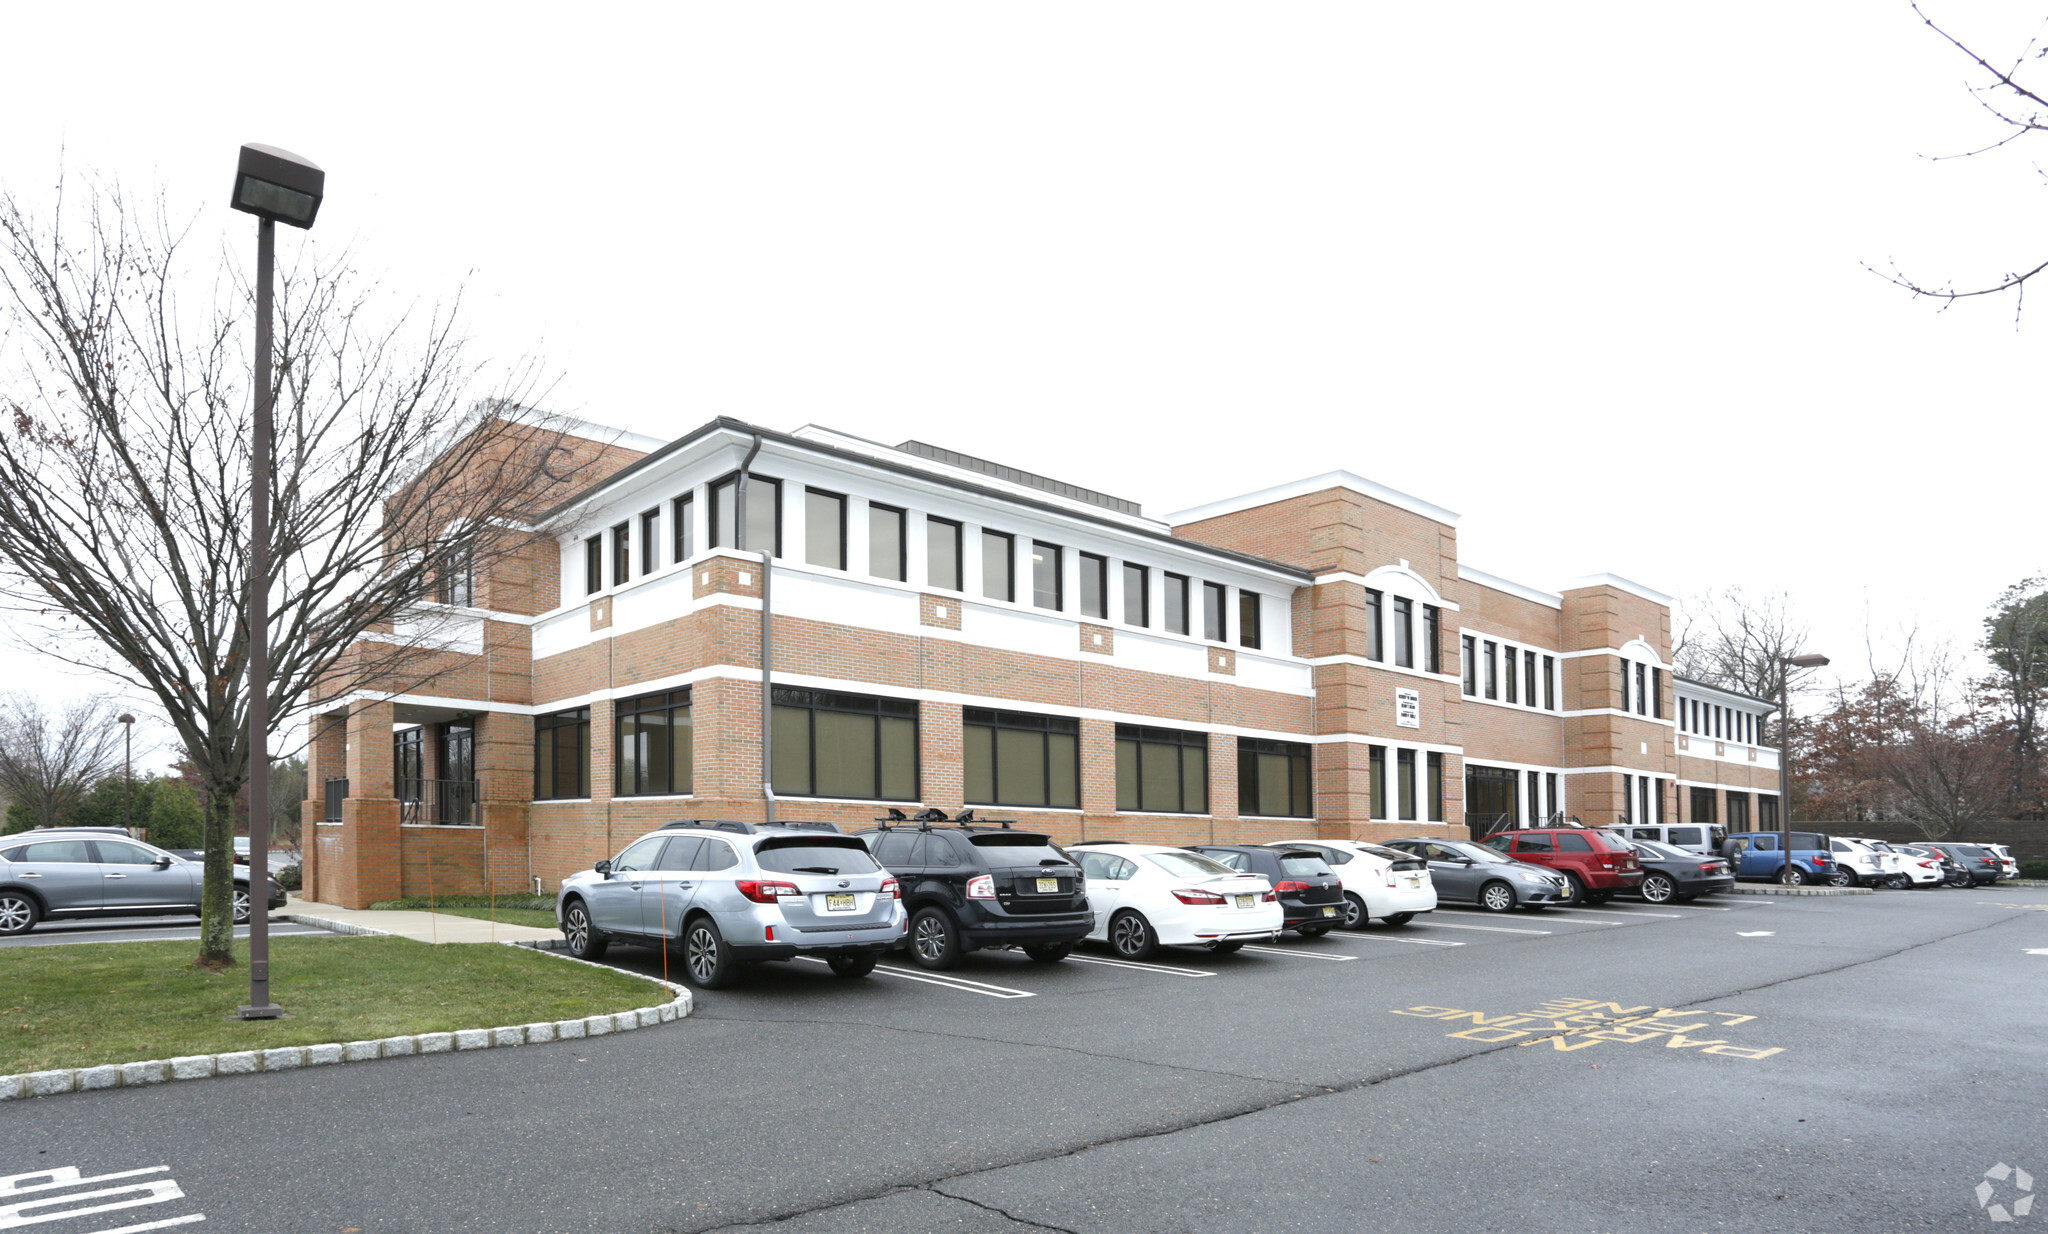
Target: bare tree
(1732, 640)
(50, 759)
(124, 497)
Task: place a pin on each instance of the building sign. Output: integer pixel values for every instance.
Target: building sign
(1408, 709)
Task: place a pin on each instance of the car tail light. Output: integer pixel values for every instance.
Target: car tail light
(771, 934)
(1928, 865)
(1390, 876)
(1289, 885)
(1188, 895)
(761, 892)
(1271, 897)
(890, 887)
(981, 887)
(1709, 867)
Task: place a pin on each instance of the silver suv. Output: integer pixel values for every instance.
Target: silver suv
(732, 894)
(99, 872)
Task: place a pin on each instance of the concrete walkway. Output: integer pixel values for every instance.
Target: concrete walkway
(424, 926)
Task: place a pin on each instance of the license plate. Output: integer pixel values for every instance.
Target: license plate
(1414, 881)
(1048, 884)
(837, 903)
(1245, 901)
(1329, 912)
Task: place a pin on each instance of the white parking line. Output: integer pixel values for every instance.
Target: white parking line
(1140, 965)
(1449, 925)
(1632, 911)
(952, 983)
(1302, 955)
(1388, 938)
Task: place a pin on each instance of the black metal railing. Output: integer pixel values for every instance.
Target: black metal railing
(439, 803)
(337, 792)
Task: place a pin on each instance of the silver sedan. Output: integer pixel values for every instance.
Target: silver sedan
(1470, 873)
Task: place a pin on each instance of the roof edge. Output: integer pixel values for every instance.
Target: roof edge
(1495, 581)
(1315, 484)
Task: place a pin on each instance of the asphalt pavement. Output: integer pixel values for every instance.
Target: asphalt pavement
(1753, 1063)
(136, 930)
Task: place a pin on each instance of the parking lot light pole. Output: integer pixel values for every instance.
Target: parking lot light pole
(276, 186)
(127, 723)
(1785, 666)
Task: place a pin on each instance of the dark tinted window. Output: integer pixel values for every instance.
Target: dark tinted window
(1533, 844)
(1612, 843)
(1808, 839)
(1012, 848)
(715, 855)
(815, 856)
(893, 849)
(681, 851)
(1303, 866)
(1572, 843)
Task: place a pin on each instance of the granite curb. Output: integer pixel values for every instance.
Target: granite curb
(1773, 889)
(291, 1058)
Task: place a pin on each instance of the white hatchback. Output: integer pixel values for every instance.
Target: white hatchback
(1146, 896)
(1378, 881)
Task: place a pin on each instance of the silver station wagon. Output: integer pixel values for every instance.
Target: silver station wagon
(52, 874)
(730, 894)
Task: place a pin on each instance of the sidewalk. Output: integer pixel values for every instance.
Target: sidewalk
(423, 926)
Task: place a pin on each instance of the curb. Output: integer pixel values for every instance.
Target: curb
(338, 927)
(1772, 889)
(291, 1058)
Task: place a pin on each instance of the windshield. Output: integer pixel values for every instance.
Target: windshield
(1192, 865)
(1019, 848)
(818, 855)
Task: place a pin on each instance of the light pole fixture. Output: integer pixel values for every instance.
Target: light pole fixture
(1785, 666)
(276, 186)
(127, 723)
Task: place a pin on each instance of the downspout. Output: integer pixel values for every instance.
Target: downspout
(739, 522)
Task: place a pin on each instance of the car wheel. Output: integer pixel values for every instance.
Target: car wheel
(1354, 912)
(585, 943)
(1898, 882)
(241, 906)
(18, 913)
(1496, 897)
(1316, 931)
(1398, 919)
(1842, 876)
(851, 965)
(1657, 888)
(1574, 890)
(1959, 878)
(707, 960)
(1050, 954)
(934, 940)
(1131, 937)
(1792, 876)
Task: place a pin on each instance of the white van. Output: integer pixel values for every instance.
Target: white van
(1692, 837)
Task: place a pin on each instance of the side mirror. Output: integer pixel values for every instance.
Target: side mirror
(1464, 861)
(604, 867)
(162, 862)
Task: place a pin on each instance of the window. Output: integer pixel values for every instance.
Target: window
(1404, 632)
(1550, 682)
(1491, 798)
(1628, 788)
(1372, 625)
(942, 553)
(1766, 811)
(1492, 670)
(409, 762)
(1404, 769)
(1469, 654)
(1643, 787)
(457, 582)
(593, 565)
(654, 744)
(1550, 787)
(1703, 811)
(1624, 685)
(844, 745)
(682, 517)
(1137, 600)
(639, 856)
(1016, 759)
(120, 853)
(1529, 676)
(1176, 586)
(1432, 631)
(1642, 690)
(1569, 842)
(1248, 619)
(1095, 586)
(1537, 844)
(1046, 584)
(1535, 798)
(824, 529)
(1161, 770)
(1436, 787)
(1507, 654)
(1657, 692)
(1273, 778)
(650, 553)
(1657, 800)
(998, 565)
(1213, 627)
(886, 554)
(764, 514)
(561, 755)
(622, 553)
(1738, 812)
(1376, 781)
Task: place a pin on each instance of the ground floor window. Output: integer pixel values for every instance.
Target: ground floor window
(1767, 811)
(1738, 812)
(1703, 811)
(1273, 779)
(1436, 787)
(654, 744)
(1017, 759)
(829, 744)
(561, 755)
(1161, 770)
(1492, 798)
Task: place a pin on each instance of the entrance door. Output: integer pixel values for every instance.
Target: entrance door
(458, 771)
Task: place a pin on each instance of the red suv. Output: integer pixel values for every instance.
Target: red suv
(1596, 864)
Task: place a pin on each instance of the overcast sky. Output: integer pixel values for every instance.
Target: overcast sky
(1591, 275)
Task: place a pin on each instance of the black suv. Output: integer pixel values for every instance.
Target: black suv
(971, 885)
(1310, 894)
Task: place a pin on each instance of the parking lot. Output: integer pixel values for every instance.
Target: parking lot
(1757, 1063)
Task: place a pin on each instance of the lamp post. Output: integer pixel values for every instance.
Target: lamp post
(276, 186)
(1785, 665)
(127, 771)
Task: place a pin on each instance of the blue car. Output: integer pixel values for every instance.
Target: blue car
(1755, 857)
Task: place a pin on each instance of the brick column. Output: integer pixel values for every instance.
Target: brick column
(1224, 825)
(367, 860)
(1098, 778)
(504, 773)
(326, 758)
(940, 756)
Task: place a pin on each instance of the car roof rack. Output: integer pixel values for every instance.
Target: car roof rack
(713, 824)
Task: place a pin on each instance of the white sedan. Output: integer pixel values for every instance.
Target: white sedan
(1378, 881)
(1919, 869)
(1146, 896)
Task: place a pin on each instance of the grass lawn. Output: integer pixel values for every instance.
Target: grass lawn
(516, 909)
(81, 1006)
